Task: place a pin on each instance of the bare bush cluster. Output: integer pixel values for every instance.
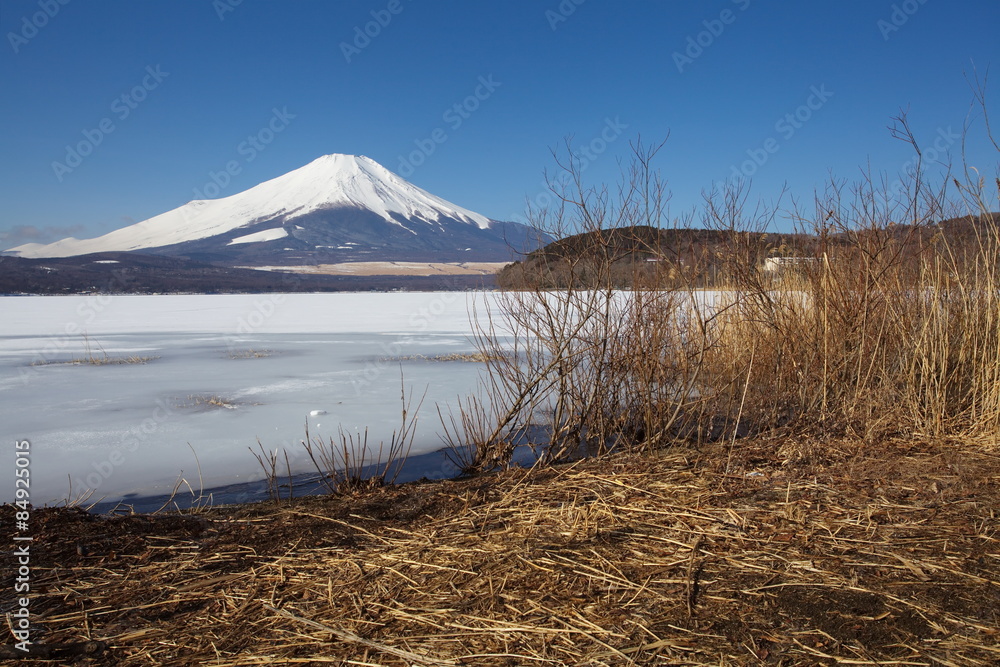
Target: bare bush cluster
(882, 318)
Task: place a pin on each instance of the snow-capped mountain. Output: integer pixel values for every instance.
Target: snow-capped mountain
(336, 208)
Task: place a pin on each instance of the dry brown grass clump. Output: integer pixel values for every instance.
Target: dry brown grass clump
(100, 357)
(99, 361)
(249, 353)
(208, 402)
(802, 553)
(467, 357)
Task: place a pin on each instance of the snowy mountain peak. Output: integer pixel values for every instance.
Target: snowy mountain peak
(327, 183)
(357, 180)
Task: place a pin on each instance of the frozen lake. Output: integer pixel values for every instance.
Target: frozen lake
(225, 371)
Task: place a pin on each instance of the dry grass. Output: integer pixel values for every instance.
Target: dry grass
(350, 463)
(208, 402)
(468, 357)
(99, 361)
(802, 553)
(100, 357)
(250, 353)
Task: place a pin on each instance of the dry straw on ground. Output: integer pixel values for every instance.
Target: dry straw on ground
(802, 553)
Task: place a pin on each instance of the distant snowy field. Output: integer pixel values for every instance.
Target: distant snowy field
(228, 369)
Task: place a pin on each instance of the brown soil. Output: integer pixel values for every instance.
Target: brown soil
(787, 552)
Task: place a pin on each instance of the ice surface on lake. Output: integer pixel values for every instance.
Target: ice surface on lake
(226, 370)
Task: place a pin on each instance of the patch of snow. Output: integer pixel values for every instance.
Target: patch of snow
(258, 237)
(106, 261)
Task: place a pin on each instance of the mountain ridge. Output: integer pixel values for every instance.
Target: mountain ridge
(335, 208)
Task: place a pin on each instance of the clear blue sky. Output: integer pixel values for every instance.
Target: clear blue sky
(210, 75)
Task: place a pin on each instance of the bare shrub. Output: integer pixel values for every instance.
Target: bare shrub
(593, 366)
(878, 317)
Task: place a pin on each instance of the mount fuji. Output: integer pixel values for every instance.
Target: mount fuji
(337, 208)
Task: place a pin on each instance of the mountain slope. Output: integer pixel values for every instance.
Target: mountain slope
(336, 208)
